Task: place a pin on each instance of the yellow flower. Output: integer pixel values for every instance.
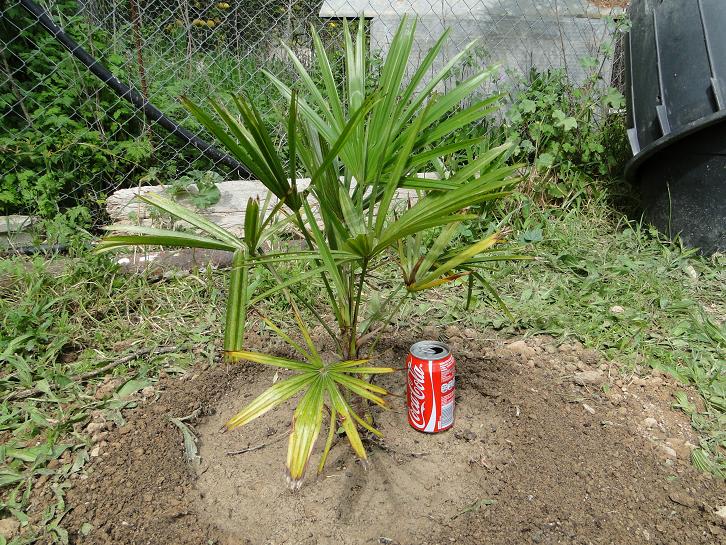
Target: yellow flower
(198, 22)
(223, 5)
(210, 23)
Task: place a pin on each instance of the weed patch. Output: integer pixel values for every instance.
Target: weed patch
(76, 338)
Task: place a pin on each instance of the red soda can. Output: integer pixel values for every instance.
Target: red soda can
(430, 388)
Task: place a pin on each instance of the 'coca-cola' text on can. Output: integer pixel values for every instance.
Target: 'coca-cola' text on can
(430, 389)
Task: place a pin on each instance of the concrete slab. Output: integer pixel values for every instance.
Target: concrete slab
(459, 8)
(168, 262)
(15, 223)
(228, 212)
(14, 231)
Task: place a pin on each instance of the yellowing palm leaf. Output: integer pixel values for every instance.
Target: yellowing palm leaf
(314, 381)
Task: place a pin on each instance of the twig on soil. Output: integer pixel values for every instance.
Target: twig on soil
(441, 522)
(143, 352)
(258, 447)
(23, 394)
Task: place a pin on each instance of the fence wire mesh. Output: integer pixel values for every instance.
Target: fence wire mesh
(67, 140)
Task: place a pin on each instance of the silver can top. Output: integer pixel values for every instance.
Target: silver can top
(430, 350)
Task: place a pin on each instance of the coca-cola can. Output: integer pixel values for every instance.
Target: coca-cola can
(430, 388)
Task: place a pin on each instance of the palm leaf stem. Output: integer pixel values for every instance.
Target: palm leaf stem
(354, 322)
(307, 304)
(326, 283)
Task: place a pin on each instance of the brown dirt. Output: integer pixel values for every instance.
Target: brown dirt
(533, 457)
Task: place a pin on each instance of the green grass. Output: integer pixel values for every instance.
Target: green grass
(65, 317)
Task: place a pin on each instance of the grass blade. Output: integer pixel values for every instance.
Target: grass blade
(329, 441)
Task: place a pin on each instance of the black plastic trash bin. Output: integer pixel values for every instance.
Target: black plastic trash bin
(676, 99)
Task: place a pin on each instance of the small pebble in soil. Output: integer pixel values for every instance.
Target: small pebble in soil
(588, 378)
(590, 357)
(98, 437)
(521, 348)
(94, 427)
(466, 435)
(9, 527)
(682, 499)
(429, 332)
(668, 451)
(107, 388)
(650, 422)
(147, 391)
(690, 272)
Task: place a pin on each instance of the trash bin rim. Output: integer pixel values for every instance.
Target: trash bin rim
(633, 166)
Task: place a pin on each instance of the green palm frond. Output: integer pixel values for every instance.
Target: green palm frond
(217, 238)
(315, 382)
(237, 302)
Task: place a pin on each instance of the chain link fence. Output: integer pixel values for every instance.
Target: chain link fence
(67, 140)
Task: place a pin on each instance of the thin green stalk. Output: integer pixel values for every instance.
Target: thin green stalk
(329, 441)
(387, 321)
(469, 292)
(331, 295)
(289, 290)
(384, 305)
(354, 322)
(236, 314)
(307, 304)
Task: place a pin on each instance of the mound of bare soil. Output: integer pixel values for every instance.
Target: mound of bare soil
(540, 453)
